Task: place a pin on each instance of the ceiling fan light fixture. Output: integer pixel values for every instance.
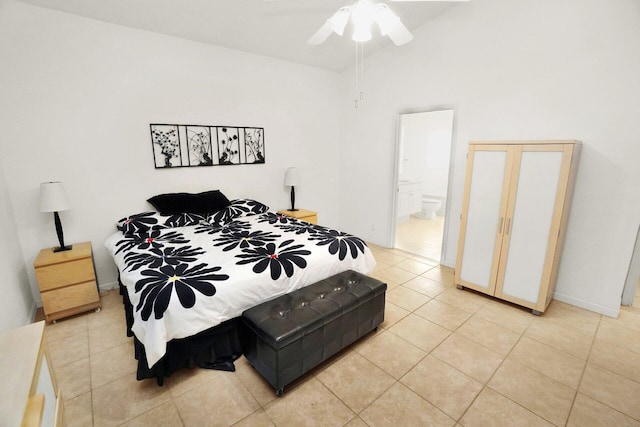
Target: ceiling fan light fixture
(361, 33)
(339, 20)
(386, 19)
(363, 15)
(400, 35)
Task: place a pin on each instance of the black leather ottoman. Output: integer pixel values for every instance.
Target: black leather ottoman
(292, 334)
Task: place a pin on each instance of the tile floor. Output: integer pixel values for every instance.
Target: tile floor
(421, 236)
(442, 357)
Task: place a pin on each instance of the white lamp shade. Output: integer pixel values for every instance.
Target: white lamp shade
(53, 198)
(292, 177)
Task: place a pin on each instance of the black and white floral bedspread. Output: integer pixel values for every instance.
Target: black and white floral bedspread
(186, 273)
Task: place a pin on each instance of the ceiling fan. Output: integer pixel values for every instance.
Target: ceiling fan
(363, 14)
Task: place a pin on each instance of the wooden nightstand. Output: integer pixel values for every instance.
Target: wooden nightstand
(303, 214)
(67, 281)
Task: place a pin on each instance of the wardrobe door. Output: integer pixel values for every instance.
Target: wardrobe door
(483, 214)
(533, 220)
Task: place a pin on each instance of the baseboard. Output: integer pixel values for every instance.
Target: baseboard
(104, 287)
(607, 311)
(451, 263)
(33, 311)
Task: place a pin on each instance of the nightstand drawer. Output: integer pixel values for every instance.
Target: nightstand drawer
(66, 273)
(70, 296)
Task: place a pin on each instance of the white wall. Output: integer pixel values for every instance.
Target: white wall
(17, 306)
(544, 69)
(78, 97)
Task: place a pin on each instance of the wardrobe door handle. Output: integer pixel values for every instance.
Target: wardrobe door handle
(508, 225)
(501, 224)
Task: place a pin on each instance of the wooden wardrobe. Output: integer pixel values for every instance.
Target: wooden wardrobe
(514, 216)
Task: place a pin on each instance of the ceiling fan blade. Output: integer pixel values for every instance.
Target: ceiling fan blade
(321, 35)
(400, 35)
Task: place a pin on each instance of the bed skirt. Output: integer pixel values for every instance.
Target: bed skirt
(213, 348)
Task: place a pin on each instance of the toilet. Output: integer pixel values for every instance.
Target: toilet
(429, 207)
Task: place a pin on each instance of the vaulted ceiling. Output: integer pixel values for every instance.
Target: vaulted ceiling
(276, 28)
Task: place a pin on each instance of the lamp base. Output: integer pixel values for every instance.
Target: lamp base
(293, 199)
(292, 210)
(63, 248)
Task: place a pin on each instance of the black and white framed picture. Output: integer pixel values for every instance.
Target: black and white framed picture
(254, 145)
(199, 145)
(206, 145)
(229, 145)
(165, 140)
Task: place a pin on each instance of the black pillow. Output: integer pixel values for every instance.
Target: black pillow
(204, 203)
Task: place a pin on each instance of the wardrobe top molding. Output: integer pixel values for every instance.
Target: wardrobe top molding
(541, 142)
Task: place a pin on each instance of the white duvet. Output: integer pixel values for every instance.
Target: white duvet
(183, 280)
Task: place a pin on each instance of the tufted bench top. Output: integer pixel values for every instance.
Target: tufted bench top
(285, 319)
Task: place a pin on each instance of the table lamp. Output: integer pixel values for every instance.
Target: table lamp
(292, 178)
(54, 199)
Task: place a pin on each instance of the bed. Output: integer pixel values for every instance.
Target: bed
(186, 277)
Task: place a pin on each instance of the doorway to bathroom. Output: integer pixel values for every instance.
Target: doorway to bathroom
(423, 166)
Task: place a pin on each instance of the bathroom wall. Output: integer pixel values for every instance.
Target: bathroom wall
(425, 150)
(436, 150)
(412, 139)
